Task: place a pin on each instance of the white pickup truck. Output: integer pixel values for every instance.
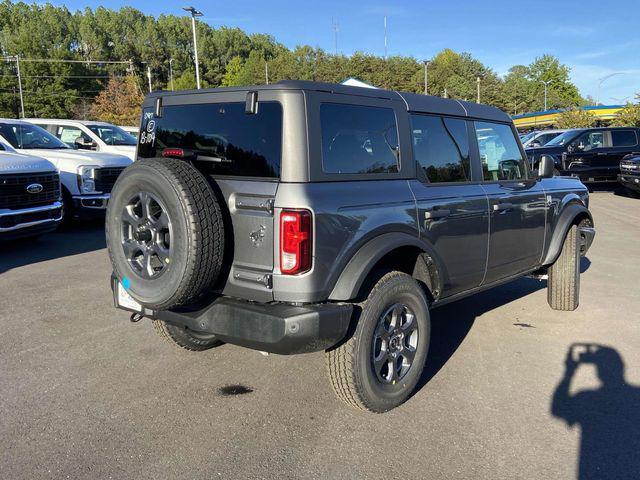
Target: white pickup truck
(86, 177)
(90, 135)
(29, 195)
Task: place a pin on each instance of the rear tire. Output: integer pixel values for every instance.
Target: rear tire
(184, 338)
(563, 288)
(632, 193)
(378, 368)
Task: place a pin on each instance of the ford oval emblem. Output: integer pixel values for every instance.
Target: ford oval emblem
(34, 188)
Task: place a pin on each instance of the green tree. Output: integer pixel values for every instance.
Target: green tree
(575, 118)
(629, 116)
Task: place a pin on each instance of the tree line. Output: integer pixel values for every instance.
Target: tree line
(163, 47)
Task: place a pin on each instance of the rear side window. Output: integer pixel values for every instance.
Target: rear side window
(221, 134)
(441, 148)
(499, 153)
(623, 138)
(358, 139)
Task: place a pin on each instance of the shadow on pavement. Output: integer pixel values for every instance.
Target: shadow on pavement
(609, 416)
(61, 243)
(451, 323)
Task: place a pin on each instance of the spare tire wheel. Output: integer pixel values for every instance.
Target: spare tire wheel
(165, 233)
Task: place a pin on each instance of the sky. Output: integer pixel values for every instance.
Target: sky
(594, 38)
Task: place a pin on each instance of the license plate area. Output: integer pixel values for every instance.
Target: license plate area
(125, 301)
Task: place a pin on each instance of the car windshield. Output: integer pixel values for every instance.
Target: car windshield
(563, 138)
(27, 136)
(112, 135)
(526, 137)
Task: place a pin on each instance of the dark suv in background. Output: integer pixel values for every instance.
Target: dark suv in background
(300, 217)
(591, 154)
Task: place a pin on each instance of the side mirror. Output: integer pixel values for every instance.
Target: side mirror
(85, 144)
(546, 166)
(535, 143)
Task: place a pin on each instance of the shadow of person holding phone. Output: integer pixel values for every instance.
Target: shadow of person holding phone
(609, 416)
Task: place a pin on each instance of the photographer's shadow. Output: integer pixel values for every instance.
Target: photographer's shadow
(609, 416)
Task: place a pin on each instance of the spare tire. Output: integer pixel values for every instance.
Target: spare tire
(165, 233)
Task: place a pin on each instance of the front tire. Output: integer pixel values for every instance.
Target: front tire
(184, 338)
(379, 367)
(563, 288)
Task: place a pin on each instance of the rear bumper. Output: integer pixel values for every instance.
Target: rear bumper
(30, 221)
(273, 327)
(630, 181)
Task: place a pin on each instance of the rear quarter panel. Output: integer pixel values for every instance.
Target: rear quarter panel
(346, 216)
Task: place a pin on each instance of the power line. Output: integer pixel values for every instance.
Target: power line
(57, 60)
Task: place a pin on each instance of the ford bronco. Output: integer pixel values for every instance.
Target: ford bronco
(301, 216)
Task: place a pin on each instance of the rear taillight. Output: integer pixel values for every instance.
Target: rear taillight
(295, 241)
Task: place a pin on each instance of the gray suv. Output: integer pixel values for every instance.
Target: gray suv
(302, 216)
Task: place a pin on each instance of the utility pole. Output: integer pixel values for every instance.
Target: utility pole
(149, 77)
(335, 27)
(546, 84)
(194, 13)
(478, 85)
(171, 73)
(445, 92)
(266, 72)
(20, 85)
(426, 77)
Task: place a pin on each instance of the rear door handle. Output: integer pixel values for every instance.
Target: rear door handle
(501, 207)
(437, 213)
(602, 153)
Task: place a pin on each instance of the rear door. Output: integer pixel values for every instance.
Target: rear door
(452, 209)
(516, 203)
(623, 142)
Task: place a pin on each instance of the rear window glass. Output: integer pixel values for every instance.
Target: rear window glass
(358, 139)
(623, 138)
(221, 134)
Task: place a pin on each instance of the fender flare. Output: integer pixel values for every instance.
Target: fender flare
(564, 223)
(361, 264)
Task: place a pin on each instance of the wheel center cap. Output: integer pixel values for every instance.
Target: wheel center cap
(395, 343)
(143, 235)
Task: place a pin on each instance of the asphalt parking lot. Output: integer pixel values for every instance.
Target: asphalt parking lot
(86, 394)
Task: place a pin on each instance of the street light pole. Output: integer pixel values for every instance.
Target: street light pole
(478, 92)
(194, 13)
(601, 80)
(426, 77)
(545, 92)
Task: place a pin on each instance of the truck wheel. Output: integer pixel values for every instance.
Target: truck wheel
(380, 365)
(185, 338)
(563, 287)
(165, 233)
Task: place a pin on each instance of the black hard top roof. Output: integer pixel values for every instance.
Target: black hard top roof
(413, 101)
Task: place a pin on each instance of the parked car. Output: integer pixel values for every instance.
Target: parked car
(88, 135)
(630, 173)
(540, 138)
(590, 154)
(302, 216)
(29, 195)
(86, 177)
(133, 131)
